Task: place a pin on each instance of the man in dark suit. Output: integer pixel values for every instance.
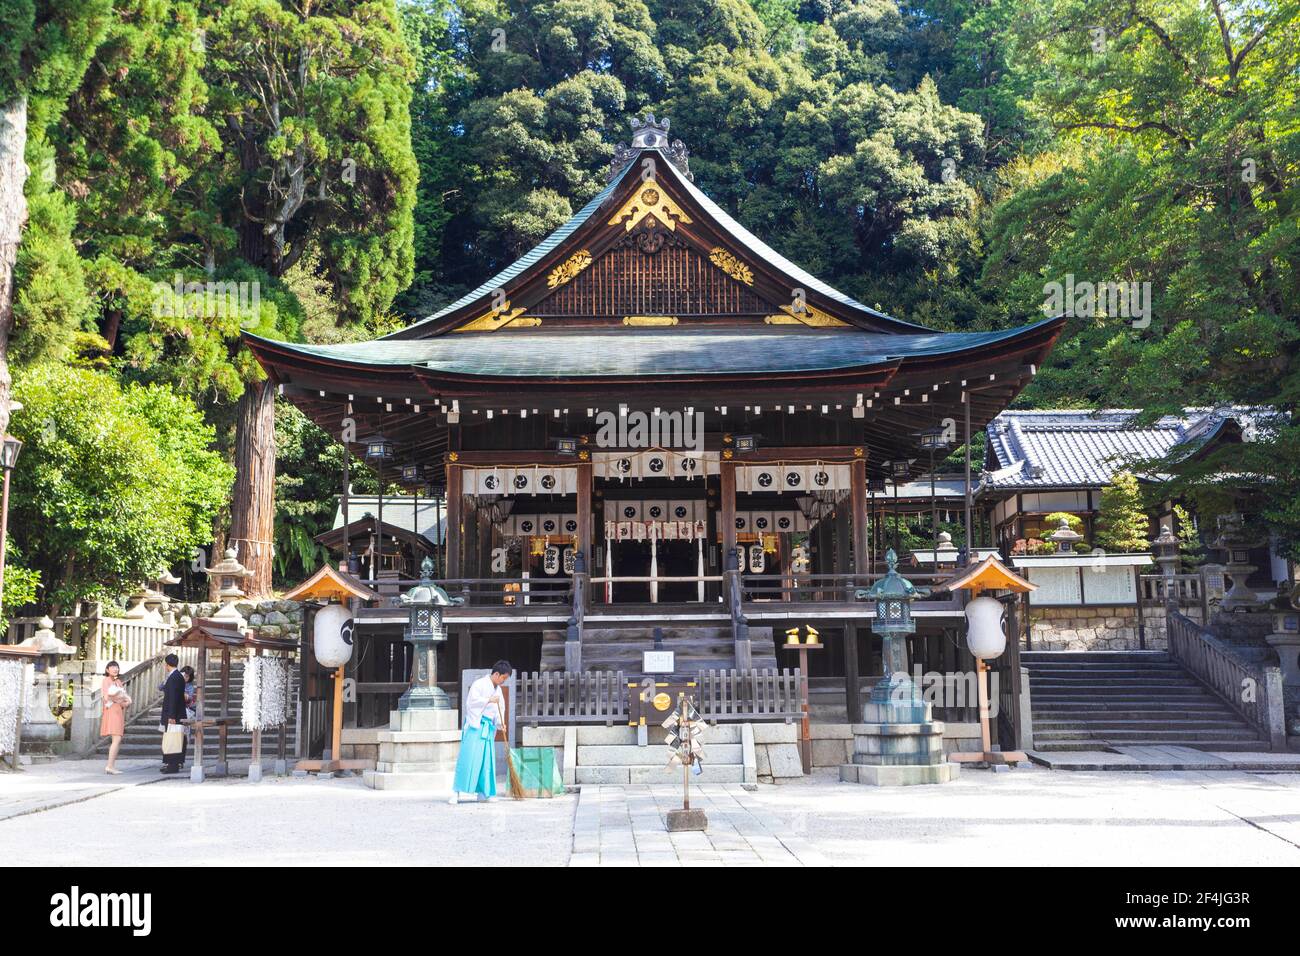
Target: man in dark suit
(173, 711)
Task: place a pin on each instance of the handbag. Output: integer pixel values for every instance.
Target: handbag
(173, 741)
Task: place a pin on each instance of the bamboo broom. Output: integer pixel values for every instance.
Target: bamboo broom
(516, 782)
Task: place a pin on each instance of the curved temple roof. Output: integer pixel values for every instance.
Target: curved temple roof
(659, 352)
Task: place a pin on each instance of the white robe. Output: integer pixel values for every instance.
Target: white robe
(482, 696)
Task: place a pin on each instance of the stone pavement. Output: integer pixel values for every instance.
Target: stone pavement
(1167, 757)
(63, 782)
(625, 826)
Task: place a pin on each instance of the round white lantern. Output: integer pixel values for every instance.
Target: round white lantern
(332, 636)
(984, 633)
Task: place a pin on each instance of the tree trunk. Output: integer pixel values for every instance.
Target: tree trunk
(13, 216)
(252, 504)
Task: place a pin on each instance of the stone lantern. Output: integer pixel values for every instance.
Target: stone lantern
(1236, 542)
(1285, 639)
(893, 595)
(229, 574)
(1065, 537)
(425, 631)
(1165, 547)
(41, 731)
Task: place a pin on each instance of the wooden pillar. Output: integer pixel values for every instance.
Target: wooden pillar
(842, 563)
(858, 502)
(585, 475)
(463, 652)
(454, 519)
(852, 697)
(727, 508)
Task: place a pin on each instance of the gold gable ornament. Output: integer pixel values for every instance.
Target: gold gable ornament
(809, 315)
(499, 318)
(649, 200)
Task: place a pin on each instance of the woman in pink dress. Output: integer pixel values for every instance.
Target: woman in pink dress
(113, 723)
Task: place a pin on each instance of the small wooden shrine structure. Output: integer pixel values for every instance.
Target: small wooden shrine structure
(225, 637)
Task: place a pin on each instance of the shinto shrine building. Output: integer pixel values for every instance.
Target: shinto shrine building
(654, 420)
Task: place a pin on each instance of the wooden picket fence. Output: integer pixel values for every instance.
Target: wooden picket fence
(601, 697)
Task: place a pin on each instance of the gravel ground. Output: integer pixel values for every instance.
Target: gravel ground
(1028, 816)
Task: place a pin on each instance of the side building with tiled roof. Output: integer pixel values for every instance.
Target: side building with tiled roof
(1041, 462)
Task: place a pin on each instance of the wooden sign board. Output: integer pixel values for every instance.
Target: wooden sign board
(654, 701)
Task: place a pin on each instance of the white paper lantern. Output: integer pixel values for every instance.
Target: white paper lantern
(984, 634)
(332, 636)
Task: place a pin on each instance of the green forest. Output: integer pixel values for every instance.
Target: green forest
(360, 164)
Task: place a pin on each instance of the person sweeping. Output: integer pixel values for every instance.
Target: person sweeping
(484, 710)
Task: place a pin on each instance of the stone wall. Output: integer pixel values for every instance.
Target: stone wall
(1099, 628)
(272, 619)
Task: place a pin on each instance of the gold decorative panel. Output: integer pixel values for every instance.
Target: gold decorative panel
(568, 269)
(810, 315)
(732, 266)
(650, 320)
(491, 321)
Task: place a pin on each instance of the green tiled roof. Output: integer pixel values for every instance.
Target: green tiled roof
(672, 351)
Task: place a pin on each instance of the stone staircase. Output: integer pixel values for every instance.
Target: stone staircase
(697, 649)
(1099, 700)
(142, 739)
(610, 755)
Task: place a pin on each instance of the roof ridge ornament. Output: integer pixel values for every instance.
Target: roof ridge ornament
(650, 133)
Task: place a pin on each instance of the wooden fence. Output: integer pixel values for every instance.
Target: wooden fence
(1253, 691)
(601, 697)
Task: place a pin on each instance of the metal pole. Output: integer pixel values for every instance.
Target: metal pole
(4, 532)
(347, 493)
(970, 537)
(934, 515)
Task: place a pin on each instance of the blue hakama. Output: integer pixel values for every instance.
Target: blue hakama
(476, 769)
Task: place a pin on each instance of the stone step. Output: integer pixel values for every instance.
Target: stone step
(1043, 727)
(1128, 736)
(1115, 693)
(659, 773)
(625, 736)
(634, 756)
(1100, 657)
(1236, 746)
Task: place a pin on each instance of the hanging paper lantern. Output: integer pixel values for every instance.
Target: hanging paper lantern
(757, 559)
(984, 634)
(332, 636)
(551, 561)
(570, 560)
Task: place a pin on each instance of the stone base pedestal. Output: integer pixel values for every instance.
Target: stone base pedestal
(417, 752)
(682, 820)
(898, 745)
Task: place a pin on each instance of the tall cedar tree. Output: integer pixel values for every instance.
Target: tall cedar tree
(312, 101)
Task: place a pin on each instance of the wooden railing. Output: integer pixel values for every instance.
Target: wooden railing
(601, 697)
(1252, 691)
(99, 638)
(494, 592)
(797, 588)
(749, 695)
(568, 697)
